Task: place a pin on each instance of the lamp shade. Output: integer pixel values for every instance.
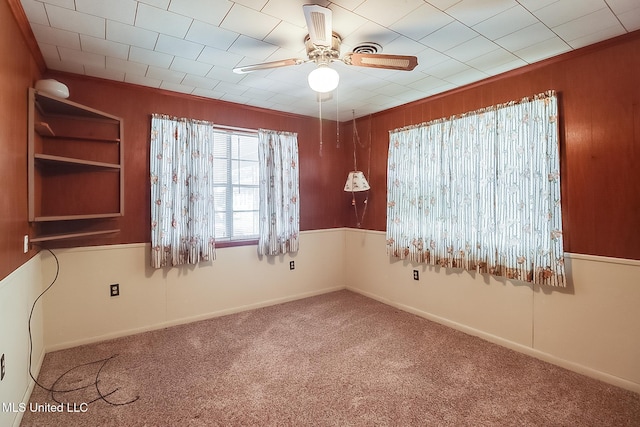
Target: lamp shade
(323, 79)
(356, 182)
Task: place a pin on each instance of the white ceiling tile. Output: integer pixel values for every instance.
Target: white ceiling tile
(533, 5)
(289, 37)
(199, 81)
(104, 73)
(495, 60)
(465, 77)
(504, 23)
(504, 67)
(287, 10)
(49, 52)
(623, 6)
(525, 37)
(631, 19)
(161, 4)
(210, 35)
(127, 67)
(141, 80)
(225, 75)
(345, 22)
(207, 93)
(231, 88)
(446, 68)
(135, 36)
(178, 47)
(55, 36)
(597, 35)
(562, 11)
(165, 75)
(588, 24)
(118, 10)
(384, 13)
(251, 23)
(253, 4)
(212, 12)
(220, 57)
(429, 57)
(423, 21)
(176, 87)
(67, 4)
(369, 32)
(471, 12)
(190, 67)
(162, 21)
(543, 50)
(70, 20)
(79, 57)
(472, 49)
(449, 36)
(252, 48)
(150, 57)
(104, 47)
(35, 12)
(67, 67)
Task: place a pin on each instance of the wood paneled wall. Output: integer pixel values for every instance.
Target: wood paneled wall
(18, 71)
(599, 99)
(320, 176)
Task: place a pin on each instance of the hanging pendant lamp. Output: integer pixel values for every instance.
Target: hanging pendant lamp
(356, 181)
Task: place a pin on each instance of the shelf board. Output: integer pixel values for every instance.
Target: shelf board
(72, 161)
(75, 217)
(44, 129)
(72, 235)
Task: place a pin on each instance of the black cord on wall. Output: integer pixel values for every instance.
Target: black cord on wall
(54, 390)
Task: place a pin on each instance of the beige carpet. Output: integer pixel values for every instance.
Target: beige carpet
(338, 359)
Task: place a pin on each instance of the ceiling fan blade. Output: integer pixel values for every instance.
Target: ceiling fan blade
(268, 65)
(318, 23)
(378, 60)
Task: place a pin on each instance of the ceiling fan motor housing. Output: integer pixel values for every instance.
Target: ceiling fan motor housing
(323, 54)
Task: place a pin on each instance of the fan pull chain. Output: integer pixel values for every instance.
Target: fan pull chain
(320, 117)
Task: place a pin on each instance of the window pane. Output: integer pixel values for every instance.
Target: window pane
(220, 198)
(220, 170)
(248, 172)
(246, 199)
(221, 226)
(245, 224)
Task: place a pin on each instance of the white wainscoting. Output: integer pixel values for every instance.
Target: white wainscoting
(80, 310)
(18, 291)
(593, 327)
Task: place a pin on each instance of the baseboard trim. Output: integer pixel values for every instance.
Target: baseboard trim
(35, 370)
(529, 351)
(190, 319)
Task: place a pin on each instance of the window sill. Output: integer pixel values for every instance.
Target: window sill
(232, 243)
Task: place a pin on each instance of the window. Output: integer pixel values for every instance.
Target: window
(206, 188)
(235, 180)
(480, 192)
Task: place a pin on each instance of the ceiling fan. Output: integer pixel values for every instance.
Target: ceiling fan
(323, 47)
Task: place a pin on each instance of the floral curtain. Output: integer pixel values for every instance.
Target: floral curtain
(480, 192)
(182, 220)
(279, 194)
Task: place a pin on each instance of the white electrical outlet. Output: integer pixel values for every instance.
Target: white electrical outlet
(25, 246)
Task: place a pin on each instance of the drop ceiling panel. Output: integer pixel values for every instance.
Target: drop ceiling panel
(192, 46)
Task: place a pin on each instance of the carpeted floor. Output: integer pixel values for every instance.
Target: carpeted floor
(338, 359)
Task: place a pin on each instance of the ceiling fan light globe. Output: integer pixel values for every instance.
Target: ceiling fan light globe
(323, 79)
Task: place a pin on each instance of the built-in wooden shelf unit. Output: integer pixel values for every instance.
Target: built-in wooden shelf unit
(75, 169)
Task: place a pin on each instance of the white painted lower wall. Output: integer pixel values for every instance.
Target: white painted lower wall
(593, 327)
(80, 310)
(18, 291)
